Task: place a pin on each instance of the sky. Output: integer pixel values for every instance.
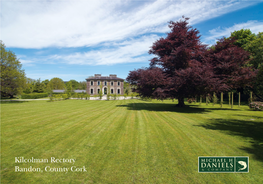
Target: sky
(72, 39)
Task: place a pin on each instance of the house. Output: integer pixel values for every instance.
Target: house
(111, 84)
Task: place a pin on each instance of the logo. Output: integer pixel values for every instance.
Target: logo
(223, 164)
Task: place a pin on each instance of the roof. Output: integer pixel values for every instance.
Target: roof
(58, 91)
(104, 78)
(79, 91)
(63, 91)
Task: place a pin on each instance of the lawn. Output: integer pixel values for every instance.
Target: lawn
(127, 141)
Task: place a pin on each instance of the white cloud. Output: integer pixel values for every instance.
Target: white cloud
(215, 34)
(39, 24)
(133, 50)
(27, 62)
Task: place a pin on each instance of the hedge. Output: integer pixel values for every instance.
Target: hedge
(34, 95)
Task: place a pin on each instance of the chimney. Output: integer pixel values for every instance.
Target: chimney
(97, 75)
(113, 75)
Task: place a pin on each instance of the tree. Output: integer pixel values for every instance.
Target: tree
(255, 48)
(45, 82)
(82, 85)
(126, 88)
(29, 87)
(39, 87)
(75, 84)
(56, 83)
(69, 89)
(243, 37)
(179, 70)
(185, 68)
(254, 45)
(100, 92)
(13, 79)
(230, 65)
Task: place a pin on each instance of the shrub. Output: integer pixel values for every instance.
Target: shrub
(114, 96)
(34, 95)
(256, 106)
(64, 96)
(108, 96)
(51, 98)
(87, 96)
(57, 96)
(75, 95)
(100, 94)
(190, 100)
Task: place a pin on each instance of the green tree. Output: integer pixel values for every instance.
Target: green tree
(255, 48)
(45, 83)
(126, 88)
(243, 37)
(56, 83)
(82, 85)
(254, 45)
(13, 79)
(75, 84)
(29, 87)
(69, 89)
(100, 92)
(39, 87)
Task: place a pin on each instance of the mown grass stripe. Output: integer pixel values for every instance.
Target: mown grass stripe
(129, 141)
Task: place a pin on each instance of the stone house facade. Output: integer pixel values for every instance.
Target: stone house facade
(111, 84)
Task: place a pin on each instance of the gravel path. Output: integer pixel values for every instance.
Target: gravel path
(91, 98)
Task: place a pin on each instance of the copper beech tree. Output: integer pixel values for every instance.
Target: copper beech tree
(184, 67)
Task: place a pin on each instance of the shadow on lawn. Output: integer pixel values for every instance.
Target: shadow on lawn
(252, 130)
(170, 107)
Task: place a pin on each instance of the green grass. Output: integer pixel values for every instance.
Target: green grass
(128, 141)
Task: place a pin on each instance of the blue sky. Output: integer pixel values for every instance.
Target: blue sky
(77, 39)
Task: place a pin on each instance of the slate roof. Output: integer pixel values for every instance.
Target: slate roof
(80, 91)
(62, 91)
(58, 91)
(104, 78)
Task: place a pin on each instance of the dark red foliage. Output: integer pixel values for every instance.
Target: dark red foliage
(230, 65)
(185, 68)
(147, 81)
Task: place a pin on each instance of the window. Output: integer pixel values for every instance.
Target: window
(98, 83)
(119, 91)
(91, 91)
(111, 91)
(98, 91)
(91, 83)
(119, 83)
(105, 83)
(111, 83)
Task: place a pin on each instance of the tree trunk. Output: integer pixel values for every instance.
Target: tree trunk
(239, 99)
(180, 102)
(222, 99)
(232, 101)
(229, 97)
